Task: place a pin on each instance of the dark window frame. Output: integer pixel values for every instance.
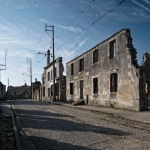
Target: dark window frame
(112, 49)
(43, 80)
(113, 82)
(48, 76)
(81, 64)
(95, 56)
(72, 69)
(95, 85)
(71, 88)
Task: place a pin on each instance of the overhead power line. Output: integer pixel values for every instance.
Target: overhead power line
(76, 17)
(92, 23)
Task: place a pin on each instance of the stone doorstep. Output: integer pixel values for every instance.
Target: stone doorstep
(78, 103)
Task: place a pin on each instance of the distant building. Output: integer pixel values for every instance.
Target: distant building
(108, 75)
(2, 91)
(36, 86)
(19, 92)
(47, 80)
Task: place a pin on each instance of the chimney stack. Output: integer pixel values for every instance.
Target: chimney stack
(48, 57)
(35, 79)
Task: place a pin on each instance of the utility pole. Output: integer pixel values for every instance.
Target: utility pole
(30, 70)
(46, 26)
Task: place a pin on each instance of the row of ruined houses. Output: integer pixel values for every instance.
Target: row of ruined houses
(106, 75)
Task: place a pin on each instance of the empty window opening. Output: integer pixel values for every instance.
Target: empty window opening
(43, 80)
(81, 64)
(72, 68)
(113, 82)
(112, 49)
(51, 90)
(71, 89)
(81, 89)
(95, 85)
(95, 56)
(48, 76)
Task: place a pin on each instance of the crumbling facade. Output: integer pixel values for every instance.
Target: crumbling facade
(2, 91)
(108, 75)
(36, 86)
(19, 92)
(47, 80)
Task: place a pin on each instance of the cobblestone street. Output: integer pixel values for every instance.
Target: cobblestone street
(48, 126)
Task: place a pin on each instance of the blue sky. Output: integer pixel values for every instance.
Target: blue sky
(22, 31)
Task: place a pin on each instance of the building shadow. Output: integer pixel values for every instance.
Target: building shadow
(52, 121)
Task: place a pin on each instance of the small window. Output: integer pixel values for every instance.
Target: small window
(95, 56)
(113, 82)
(51, 75)
(95, 85)
(71, 89)
(81, 64)
(72, 68)
(112, 50)
(43, 91)
(49, 91)
(43, 80)
(48, 76)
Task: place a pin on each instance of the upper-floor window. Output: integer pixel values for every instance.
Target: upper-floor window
(95, 56)
(43, 80)
(95, 85)
(48, 76)
(71, 89)
(81, 64)
(112, 49)
(72, 68)
(113, 82)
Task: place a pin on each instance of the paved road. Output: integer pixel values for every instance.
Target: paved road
(52, 127)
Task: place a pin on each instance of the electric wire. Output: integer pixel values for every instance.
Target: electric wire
(92, 24)
(76, 18)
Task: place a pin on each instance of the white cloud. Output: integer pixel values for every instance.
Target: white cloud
(135, 2)
(146, 1)
(43, 20)
(70, 28)
(81, 44)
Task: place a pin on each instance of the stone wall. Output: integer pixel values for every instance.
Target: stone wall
(124, 65)
(59, 80)
(19, 92)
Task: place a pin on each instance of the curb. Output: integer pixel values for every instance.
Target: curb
(18, 143)
(21, 137)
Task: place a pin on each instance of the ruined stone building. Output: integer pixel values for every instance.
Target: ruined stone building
(19, 92)
(2, 91)
(108, 75)
(47, 80)
(36, 86)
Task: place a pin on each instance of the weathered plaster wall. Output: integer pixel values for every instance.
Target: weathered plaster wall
(124, 64)
(59, 79)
